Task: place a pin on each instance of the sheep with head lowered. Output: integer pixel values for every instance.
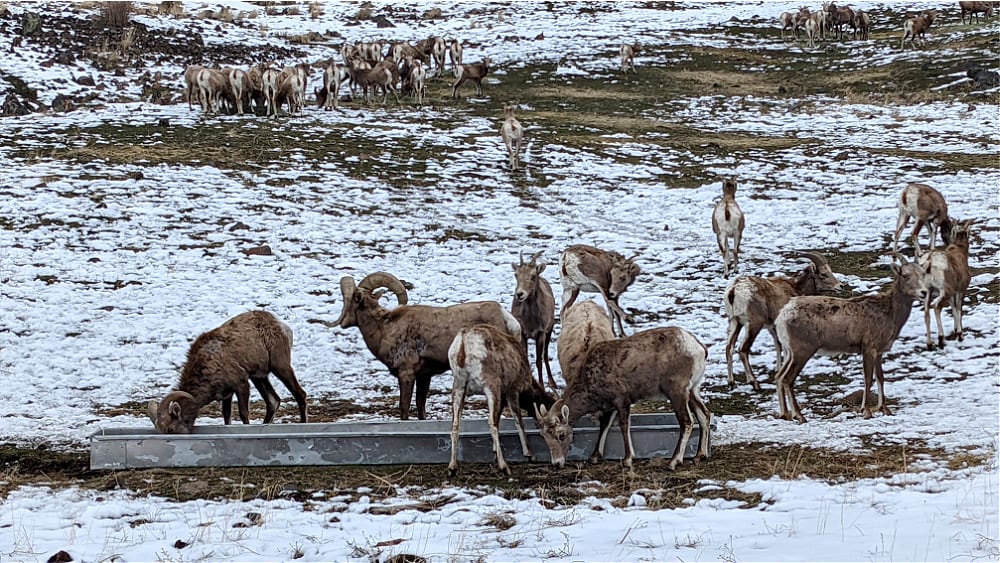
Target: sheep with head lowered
(224, 361)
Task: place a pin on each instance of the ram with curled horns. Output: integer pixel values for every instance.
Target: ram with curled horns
(413, 340)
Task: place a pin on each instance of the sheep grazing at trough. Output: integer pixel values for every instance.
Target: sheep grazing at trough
(492, 362)
(947, 281)
(226, 360)
(534, 307)
(917, 27)
(866, 325)
(661, 363)
(753, 303)
(455, 55)
(627, 54)
(728, 223)
(512, 133)
(975, 8)
(474, 72)
(583, 325)
(191, 83)
(928, 207)
(413, 340)
(592, 270)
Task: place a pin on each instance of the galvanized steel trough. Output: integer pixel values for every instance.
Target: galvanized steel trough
(364, 443)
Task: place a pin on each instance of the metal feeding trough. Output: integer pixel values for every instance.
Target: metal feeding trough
(365, 443)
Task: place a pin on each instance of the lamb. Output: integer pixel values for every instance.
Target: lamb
(534, 307)
(474, 72)
(226, 360)
(627, 53)
(728, 223)
(584, 325)
(455, 55)
(754, 302)
(412, 340)
(917, 27)
(490, 361)
(661, 363)
(866, 325)
(378, 77)
(947, 281)
(974, 8)
(589, 269)
(929, 208)
(512, 133)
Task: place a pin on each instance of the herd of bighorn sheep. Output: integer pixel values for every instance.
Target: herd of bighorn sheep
(832, 20)
(605, 370)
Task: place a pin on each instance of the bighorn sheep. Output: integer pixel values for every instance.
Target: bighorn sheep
(583, 325)
(433, 50)
(191, 83)
(379, 77)
(225, 360)
(812, 27)
(838, 16)
(328, 97)
(212, 84)
(269, 82)
(928, 207)
(627, 53)
(455, 55)
(862, 24)
(512, 133)
(417, 77)
(412, 340)
(238, 86)
(490, 361)
(592, 270)
(728, 223)
(661, 363)
(474, 72)
(866, 325)
(917, 26)
(947, 281)
(534, 307)
(754, 302)
(974, 8)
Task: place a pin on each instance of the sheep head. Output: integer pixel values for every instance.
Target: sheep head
(623, 272)
(175, 414)
(555, 428)
(364, 297)
(825, 279)
(526, 275)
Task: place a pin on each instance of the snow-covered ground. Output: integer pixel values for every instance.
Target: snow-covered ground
(110, 269)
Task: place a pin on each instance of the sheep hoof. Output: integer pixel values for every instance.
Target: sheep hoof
(452, 471)
(866, 413)
(885, 410)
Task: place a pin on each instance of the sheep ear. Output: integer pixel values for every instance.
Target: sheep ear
(540, 411)
(151, 409)
(540, 268)
(513, 265)
(564, 414)
(174, 408)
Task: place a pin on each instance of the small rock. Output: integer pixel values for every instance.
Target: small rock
(85, 80)
(63, 103)
(383, 22)
(432, 14)
(264, 250)
(13, 106)
(180, 544)
(30, 22)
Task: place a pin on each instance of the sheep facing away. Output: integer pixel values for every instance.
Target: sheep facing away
(226, 360)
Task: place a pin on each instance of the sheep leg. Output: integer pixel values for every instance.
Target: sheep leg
(605, 425)
(680, 404)
(904, 218)
(545, 354)
(515, 408)
(602, 438)
(733, 334)
(271, 399)
(406, 381)
(937, 315)
(704, 419)
(624, 417)
(227, 409)
(493, 402)
(777, 348)
(457, 404)
(927, 321)
(868, 364)
(243, 401)
(956, 313)
(567, 301)
(880, 377)
(423, 387)
(286, 375)
(752, 332)
(915, 236)
(736, 249)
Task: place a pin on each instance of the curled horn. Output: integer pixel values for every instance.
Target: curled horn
(816, 259)
(386, 280)
(347, 288)
(900, 257)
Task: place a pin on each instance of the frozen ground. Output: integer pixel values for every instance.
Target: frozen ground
(110, 269)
